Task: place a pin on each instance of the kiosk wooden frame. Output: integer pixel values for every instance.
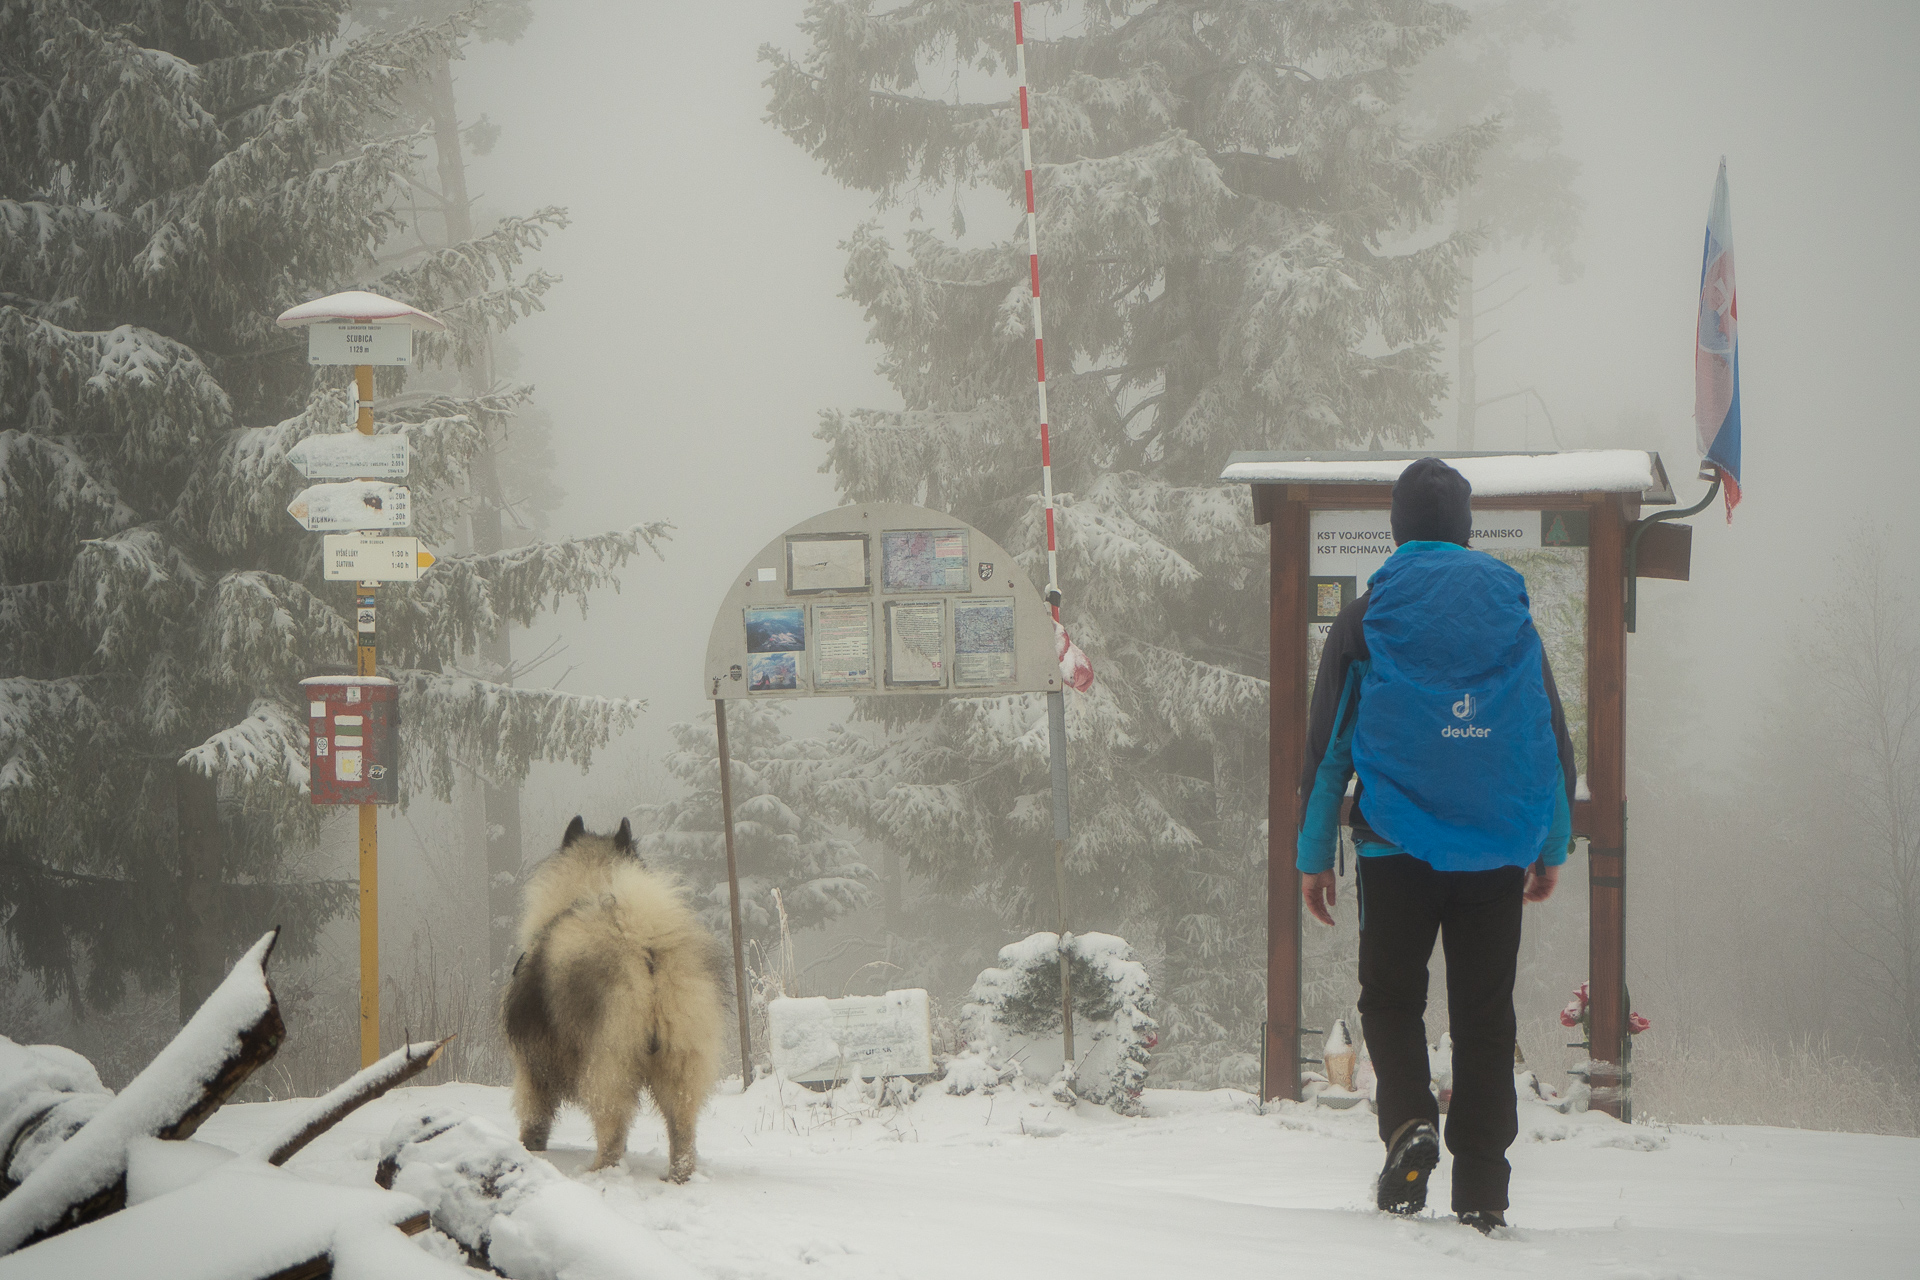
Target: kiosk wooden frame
(1611, 486)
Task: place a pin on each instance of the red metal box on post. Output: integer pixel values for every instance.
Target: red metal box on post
(354, 723)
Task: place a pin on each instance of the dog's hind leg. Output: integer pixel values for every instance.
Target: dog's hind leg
(681, 1108)
(610, 1096)
(535, 1104)
(610, 1124)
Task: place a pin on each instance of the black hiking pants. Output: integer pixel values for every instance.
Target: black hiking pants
(1403, 903)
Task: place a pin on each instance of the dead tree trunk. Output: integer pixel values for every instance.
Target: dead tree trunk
(501, 804)
(234, 1033)
(512, 1211)
(322, 1113)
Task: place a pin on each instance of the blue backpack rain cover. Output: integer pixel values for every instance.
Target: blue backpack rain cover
(1454, 744)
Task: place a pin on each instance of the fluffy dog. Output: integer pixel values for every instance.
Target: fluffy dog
(618, 989)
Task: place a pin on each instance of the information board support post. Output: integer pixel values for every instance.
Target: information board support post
(1287, 677)
(733, 891)
(1062, 829)
(369, 814)
(1606, 782)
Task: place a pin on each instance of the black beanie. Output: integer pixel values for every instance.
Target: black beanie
(1432, 503)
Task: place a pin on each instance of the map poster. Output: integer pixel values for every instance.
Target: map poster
(916, 639)
(773, 672)
(828, 562)
(842, 646)
(924, 560)
(983, 641)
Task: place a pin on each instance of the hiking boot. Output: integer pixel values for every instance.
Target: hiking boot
(1411, 1156)
(1485, 1221)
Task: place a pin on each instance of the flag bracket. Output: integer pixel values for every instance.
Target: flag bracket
(1640, 528)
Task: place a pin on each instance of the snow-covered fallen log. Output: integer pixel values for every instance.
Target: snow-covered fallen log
(322, 1113)
(513, 1211)
(46, 1093)
(85, 1177)
(198, 1212)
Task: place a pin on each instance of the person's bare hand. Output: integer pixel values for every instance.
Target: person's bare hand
(1320, 889)
(1541, 879)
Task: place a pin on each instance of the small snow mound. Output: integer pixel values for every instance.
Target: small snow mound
(979, 1068)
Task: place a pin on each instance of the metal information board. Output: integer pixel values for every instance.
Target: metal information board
(881, 598)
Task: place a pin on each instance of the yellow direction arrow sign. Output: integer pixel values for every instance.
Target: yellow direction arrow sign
(371, 557)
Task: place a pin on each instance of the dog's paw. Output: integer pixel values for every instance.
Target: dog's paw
(678, 1172)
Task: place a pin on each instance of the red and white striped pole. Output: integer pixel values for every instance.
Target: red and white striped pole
(1081, 674)
(1039, 337)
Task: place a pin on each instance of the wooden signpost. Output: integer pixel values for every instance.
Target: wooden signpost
(361, 329)
(1519, 500)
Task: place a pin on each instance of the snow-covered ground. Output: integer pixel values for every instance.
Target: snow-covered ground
(1013, 1186)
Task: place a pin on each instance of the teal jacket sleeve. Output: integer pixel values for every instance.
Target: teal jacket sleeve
(1320, 826)
(1560, 834)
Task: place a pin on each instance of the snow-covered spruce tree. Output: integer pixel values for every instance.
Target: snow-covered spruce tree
(780, 841)
(177, 175)
(1237, 252)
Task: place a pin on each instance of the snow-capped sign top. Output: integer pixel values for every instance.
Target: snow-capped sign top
(356, 304)
(1493, 475)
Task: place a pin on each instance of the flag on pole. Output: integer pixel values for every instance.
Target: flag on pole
(1716, 354)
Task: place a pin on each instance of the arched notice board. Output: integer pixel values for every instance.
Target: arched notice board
(881, 598)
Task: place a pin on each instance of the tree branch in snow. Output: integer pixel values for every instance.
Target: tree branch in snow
(512, 1211)
(46, 1094)
(322, 1113)
(234, 1033)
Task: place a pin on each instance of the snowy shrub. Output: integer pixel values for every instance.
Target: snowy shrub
(981, 1069)
(1015, 1012)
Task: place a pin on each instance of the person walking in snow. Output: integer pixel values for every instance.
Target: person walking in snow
(1435, 691)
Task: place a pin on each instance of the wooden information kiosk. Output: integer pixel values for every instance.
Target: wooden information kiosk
(1327, 512)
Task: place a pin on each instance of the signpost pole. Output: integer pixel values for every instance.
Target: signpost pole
(369, 814)
(733, 891)
(359, 329)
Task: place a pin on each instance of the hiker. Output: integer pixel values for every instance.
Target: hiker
(1435, 690)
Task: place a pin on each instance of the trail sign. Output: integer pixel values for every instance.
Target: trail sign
(353, 343)
(360, 329)
(372, 557)
(357, 504)
(350, 455)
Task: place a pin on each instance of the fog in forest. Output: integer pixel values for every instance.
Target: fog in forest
(682, 366)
